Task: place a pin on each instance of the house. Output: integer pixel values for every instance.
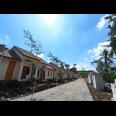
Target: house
(21, 64)
(8, 64)
(47, 69)
(57, 70)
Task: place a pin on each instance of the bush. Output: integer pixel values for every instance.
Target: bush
(109, 77)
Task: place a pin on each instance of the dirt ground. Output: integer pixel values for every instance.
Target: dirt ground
(99, 95)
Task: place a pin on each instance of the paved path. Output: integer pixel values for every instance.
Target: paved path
(74, 91)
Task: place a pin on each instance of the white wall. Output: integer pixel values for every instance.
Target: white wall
(17, 70)
(48, 76)
(3, 68)
(98, 82)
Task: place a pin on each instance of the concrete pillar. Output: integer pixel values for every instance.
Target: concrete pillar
(20, 71)
(113, 87)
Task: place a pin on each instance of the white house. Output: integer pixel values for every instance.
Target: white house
(20, 64)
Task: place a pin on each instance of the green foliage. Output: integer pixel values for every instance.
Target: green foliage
(83, 74)
(112, 33)
(67, 66)
(103, 65)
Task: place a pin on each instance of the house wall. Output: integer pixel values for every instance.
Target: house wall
(3, 67)
(50, 76)
(65, 75)
(56, 74)
(29, 62)
(17, 70)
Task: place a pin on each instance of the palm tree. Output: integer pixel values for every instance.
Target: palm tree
(99, 65)
(105, 56)
(112, 33)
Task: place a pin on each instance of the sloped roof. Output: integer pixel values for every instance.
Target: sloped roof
(26, 53)
(6, 54)
(9, 54)
(49, 67)
(54, 65)
(43, 61)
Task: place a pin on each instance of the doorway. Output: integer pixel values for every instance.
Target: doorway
(25, 72)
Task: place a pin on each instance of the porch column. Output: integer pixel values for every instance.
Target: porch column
(20, 71)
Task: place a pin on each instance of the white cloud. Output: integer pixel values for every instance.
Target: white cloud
(102, 22)
(4, 39)
(84, 66)
(41, 55)
(85, 59)
(96, 51)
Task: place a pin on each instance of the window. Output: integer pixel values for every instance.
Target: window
(38, 73)
(34, 71)
(48, 73)
(28, 70)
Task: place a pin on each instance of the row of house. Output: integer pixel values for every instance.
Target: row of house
(19, 64)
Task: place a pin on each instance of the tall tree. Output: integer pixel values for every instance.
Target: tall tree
(74, 69)
(112, 33)
(62, 64)
(35, 46)
(103, 65)
(105, 56)
(53, 58)
(67, 66)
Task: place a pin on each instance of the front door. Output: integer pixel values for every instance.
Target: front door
(25, 72)
(42, 76)
(10, 69)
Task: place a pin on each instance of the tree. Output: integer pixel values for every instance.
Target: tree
(53, 58)
(62, 64)
(103, 65)
(105, 56)
(35, 46)
(112, 33)
(67, 66)
(74, 69)
(99, 65)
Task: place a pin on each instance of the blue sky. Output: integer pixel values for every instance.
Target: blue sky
(74, 38)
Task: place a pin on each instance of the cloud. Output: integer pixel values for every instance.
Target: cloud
(41, 55)
(101, 22)
(85, 59)
(84, 66)
(96, 51)
(4, 39)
